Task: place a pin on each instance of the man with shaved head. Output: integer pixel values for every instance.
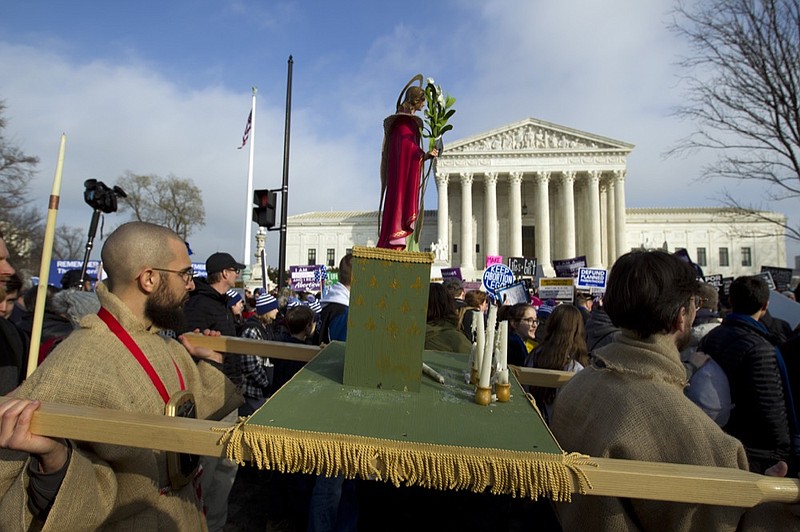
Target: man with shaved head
(115, 360)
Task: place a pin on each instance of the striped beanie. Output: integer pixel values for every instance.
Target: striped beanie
(233, 297)
(265, 303)
(315, 306)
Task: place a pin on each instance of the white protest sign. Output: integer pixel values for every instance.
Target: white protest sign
(558, 288)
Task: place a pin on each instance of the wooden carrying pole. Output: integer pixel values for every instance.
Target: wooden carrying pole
(259, 348)
(44, 267)
(545, 378)
(611, 477)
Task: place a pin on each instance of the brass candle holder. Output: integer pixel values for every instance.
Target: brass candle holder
(473, 376)
(483, 396)
(503, 392)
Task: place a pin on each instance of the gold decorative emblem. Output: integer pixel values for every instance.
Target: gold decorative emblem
(370, 325)
(381, 303)
(360, 301)
(417, 284)
(394, 285)
(373, 283)
(413, 330)
(405, 308)
(392, 329)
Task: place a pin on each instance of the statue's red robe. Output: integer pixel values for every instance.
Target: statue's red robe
(401, 167)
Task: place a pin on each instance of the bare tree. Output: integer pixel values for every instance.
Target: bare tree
(69, 243)
(743, 94)
(172, 202)
(21, 223)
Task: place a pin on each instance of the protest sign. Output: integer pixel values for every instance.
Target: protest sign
(304, 278)
(513, 294)
(560, 288)
(767, 276)
(781, 277)
(59, 267)
(522, 266)
(569, 267)
(493, 259)
(497, 276)
(591, 278)
(448, 273)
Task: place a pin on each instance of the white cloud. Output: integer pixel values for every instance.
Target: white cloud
(607, 68)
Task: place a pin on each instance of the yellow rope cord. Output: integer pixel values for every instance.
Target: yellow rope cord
(392, 255)
(517, 473)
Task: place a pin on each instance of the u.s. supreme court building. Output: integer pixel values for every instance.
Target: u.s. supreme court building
(537, 189)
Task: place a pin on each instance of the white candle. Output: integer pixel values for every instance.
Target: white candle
(480, 339)
(502, 376)
(503, 345)
(486, 363)
(504, 352)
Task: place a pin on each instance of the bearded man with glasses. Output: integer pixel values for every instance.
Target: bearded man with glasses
(116, 360)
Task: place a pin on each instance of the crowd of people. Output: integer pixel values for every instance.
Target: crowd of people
(664, 369)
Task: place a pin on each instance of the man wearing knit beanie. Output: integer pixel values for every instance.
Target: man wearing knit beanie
(257, 372)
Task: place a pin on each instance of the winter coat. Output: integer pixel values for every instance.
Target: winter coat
(629, 403)
(744, 349)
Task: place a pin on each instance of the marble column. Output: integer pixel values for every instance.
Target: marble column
(621, 246)
(611, 224)
(443, 212)
(491, 225)
(603, 223)
(580, 216)
(543, 218)
(514, 214)
(593, 257)
(467, 243)
(568, 211)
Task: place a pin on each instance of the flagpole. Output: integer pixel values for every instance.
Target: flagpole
(248, 206)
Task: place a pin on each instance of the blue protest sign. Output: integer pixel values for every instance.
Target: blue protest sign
(589, 278)
(497, 276)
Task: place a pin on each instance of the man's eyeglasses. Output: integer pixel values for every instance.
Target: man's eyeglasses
(530, 321)
(237, 271)
(186, 274)
(699, 302)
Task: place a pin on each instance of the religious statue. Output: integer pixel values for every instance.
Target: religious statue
(401, 168)
(439, 249)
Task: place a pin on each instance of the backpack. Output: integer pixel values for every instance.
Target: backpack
(708, 387)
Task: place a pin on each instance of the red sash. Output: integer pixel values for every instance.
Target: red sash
(137, 353)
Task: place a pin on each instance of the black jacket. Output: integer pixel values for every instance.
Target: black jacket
(745, 351)
(599, 329)
(208, 309)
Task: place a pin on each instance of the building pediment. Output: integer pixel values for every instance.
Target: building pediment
(532, 135)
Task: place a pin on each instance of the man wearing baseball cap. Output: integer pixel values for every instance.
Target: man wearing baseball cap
(207, 308)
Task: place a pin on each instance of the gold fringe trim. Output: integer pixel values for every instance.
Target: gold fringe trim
(516, 473)
(393, 255)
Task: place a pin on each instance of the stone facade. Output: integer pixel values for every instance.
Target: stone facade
(716, 233)
(536, 189)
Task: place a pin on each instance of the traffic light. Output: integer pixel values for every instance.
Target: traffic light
(264, 211)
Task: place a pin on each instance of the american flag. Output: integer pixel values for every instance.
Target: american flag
(247, 130)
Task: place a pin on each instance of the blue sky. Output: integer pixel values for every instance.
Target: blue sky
(165, 88)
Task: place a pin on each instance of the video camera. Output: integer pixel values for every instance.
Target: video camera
(101, 198)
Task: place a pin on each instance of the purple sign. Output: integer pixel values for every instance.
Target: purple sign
(305, 278)
(447, 273)
(569, 267)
